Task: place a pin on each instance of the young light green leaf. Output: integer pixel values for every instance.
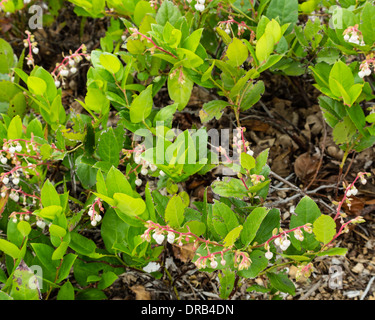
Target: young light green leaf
(252, 224)
(129, 205)
(237, 52)
(15, 128)
(110, 62)
(179, 87)
(324, 229)
(10, 249)
(36, 85)
(49, 195)
(223, 219)
(247, 161)
(232, 236)
(141, 106)
(24, 227)
(174, 212)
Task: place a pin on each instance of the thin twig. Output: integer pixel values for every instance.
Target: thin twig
(367, 288)
(311, 290)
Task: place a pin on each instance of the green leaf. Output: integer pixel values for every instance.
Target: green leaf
(116, 182)
(57, 231)
(113, 230)
(324, 229)
(10, 249)
(24, 227)
(273, 28)
(174, 212)
(259, 263)
(44, 253)
(107, 279)
(3, 295)
(166, 115)
(281, 282)
(191, 43)
(226, 278)
(15, 128)
(49, 195)
(6, 56)
(196, 227)
(110, 62)
(66, 292)
(36, 85)
(237, 52)
(96, 100)
(66, 266)
(179, 88)
(142, 10)
(287, 10)
(129, 205)
(211, 109)
(81, 244)
(252, 95)
(367, 24)
(333, 252)
(60, 251)
(306, 211)
(167, 12)
(252, 224)
(264, 47)
(24, 284)
(231, 188)
(107, 147)
(223, 219)
(340, 74)
(247, 161)
(141, 106)
(232, 236)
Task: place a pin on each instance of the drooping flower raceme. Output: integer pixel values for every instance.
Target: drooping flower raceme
(365, 67)
(353, 35)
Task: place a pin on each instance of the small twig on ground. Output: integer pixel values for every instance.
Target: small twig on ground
(311, 290)
(367, 288)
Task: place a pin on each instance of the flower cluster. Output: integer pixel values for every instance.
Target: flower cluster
(242, 260)
(69, 65)
(350, 190)
(241, 27)
(281, 240)
(20, 158)
(201, 262)
(154, 4)
(256, 179)
(160, 232)
(199, 6)
(32, 45)
(304, 270)
(94, 215)
(365, 67)
(353, 35)
(239, 143)
(145, 165)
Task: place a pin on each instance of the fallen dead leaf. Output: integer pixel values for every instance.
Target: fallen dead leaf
(140, 292)
(185, 253)
(356, 207)
(256, 125)
(305, 166)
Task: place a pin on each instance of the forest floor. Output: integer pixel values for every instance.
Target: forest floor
(303, 158)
